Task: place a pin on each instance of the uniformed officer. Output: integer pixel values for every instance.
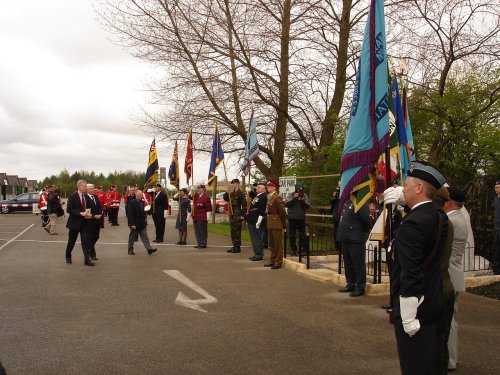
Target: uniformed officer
(352, 233)
(276, 222)
(114, 206)
(256, 220)
(237, 206)
(416, 277)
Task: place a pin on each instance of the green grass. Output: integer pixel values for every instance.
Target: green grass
(225, 230)
(490, 291)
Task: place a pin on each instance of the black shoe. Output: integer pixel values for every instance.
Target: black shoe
(269, 265)
(237, 249)
(197, 246)
(89, 263)
(256, 259)
(93, 257)
(276, 266)
(357, 293)
(159, 241)
(183, 243)
(154, 241)
(202, 247)
(152, 251)
(131, 252)
(68, 260)
(179, 243)
(346, 290)
(230, 250)
(386, 306)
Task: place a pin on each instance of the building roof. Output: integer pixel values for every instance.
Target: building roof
(12, 180)
(3, 178)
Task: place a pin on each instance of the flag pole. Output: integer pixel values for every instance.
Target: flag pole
(228, 189)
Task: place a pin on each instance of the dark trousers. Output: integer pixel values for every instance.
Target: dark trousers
(201, 232)
(496, 249)
(256, 235)
(449, 308)
(113, 215)
(419, 354)
(296, 226)
(159, 221)
(88, 238)
(354, 264)
(72, 237)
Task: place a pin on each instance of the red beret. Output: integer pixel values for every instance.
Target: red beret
(272, 183)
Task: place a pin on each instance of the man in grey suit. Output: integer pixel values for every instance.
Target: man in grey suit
(456, 268)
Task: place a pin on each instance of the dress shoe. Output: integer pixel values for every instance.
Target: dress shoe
(131, 252)
(183, 243)
(276, 266)
(346, 290)
(178, 243)
(197, 246)
(230, 250)
(68, 260)
(256, 259)
(386, 306)
(236, 250)
(89, 263)
(152, 251)
(159, 241)
(154, 241)
(93, 258)
(357, 293)
(269, 265)
(202, 247)
(46, 229)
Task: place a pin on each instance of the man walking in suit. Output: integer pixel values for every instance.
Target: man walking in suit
(137, 223)
(92, 226)
(77, 211)
(416, 288)
(160, 205)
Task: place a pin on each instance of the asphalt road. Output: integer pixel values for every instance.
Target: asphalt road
(120, 317)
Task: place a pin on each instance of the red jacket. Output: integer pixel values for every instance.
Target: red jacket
(114, 197)
(42, 200)
(201, 205)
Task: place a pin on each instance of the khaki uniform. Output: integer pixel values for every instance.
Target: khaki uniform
(276, 222)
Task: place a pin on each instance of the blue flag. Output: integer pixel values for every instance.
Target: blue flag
(217, 156)
(251, 146)
(173, 171)
(368, 129)
(409, 134)
(153, 166)
(404, 156)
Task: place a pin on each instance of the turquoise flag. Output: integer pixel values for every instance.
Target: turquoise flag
(251, 146)
(368, 129)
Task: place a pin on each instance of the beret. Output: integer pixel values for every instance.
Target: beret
(426, 172)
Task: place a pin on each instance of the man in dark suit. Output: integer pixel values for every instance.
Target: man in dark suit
(416, 289)
(137, 223)
(77, 211)
(91, 226)
(159, 206)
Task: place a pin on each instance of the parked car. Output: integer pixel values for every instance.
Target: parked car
(220, 203)
(21, 202)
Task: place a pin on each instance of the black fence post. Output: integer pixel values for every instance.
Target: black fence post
(284, 243)
(306, 247)
(375, 262)
(379, 263)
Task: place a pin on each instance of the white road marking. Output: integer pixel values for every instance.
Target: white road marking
(185, 301)
(13, 239)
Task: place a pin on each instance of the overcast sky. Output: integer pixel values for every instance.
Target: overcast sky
(68, 96)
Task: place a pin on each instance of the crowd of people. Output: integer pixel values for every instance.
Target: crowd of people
(425, 255)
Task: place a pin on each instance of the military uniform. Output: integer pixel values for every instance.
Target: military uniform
(237, 210)
(276, 222)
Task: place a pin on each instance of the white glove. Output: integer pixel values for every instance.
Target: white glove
(394, 195)
(408, 307)
(259, 220)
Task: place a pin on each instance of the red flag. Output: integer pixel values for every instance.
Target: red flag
(188, 164)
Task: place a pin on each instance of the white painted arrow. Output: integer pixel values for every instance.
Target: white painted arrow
(184, 300)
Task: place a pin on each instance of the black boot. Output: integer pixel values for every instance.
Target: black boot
(231, 250)
(236, 249)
